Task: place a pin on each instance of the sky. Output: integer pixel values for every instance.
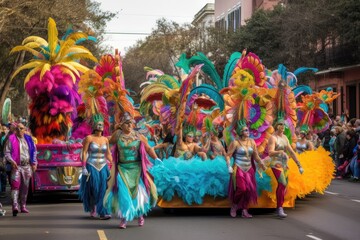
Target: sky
(139, 16)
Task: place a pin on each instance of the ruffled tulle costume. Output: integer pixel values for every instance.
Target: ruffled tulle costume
(192, 179)
(131, 192)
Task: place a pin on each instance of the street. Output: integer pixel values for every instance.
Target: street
(333, 215)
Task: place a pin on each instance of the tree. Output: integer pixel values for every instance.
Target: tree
(160, 50)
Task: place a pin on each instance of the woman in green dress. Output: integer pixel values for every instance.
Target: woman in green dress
(131, 192)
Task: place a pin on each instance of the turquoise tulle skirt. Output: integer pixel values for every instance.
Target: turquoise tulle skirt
(192, 179)
(120, 202)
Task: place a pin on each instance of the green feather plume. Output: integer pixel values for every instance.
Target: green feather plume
(6, 111)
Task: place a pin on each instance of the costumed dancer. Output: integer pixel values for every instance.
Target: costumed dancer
(278, 147)
(213, 146)
(242, 186)
(131, 192)
(20, 151)
(185, 147)
(285, 124)
(95, 173)
(303, 144)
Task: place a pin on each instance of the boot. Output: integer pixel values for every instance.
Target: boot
(15, 204)
(281, 213)
(246, 214)
(141, 221)
(233, 210)
(122, 223)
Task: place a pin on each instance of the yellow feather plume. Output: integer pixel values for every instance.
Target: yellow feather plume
(52, 37)
(46, 67)
(35, 39)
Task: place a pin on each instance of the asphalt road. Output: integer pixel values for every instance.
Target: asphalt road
(334, 215)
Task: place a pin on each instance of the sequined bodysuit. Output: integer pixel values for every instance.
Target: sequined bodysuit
(96, 155)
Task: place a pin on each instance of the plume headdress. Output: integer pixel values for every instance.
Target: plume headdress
(91, 88)
(209, 126)
(284, 103)
(311, 115)
(188, 129)
(248, 103)
(174, 102)
(52, 81)
(327, 97)
(116, 93)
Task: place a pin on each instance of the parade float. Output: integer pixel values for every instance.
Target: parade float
(52, 85)
(247, 84)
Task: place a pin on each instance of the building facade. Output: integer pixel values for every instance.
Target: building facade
(343, 80)
(230, 15)
(205, 17)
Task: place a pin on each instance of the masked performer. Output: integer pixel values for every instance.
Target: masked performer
(96, 152)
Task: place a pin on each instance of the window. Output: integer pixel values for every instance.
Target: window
(234, 20)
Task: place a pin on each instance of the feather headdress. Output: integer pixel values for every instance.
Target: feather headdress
(52, 81)
(91, 88)
(116, 92)
(251, 63)
(250, 104)
(311, 115)
(284, 103)
(174, 102)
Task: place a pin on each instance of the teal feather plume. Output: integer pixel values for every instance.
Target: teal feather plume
(208, 68)
(304, 69)
(183, 63)
(229, 68)
(301, 89)
(282, 71)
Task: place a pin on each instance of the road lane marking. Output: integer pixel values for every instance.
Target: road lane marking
(102, 235)
(355, 200)
(332, 193)
(313, 237)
